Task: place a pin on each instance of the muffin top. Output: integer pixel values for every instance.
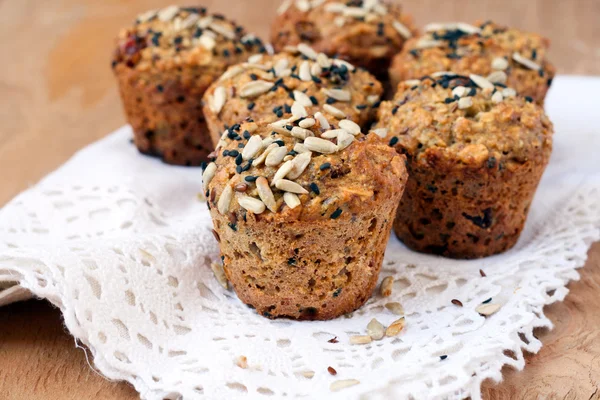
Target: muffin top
(302, 167)
(266, 87)
(175, 36)
(464, 120)
(365, 32)
(502, 54)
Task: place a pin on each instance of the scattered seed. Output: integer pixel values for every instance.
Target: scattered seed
(320, 145)
(276, 156)
(208, 174)
(487, 309)
(291, 200)
(343, 384)
(395, 328)
(402, 29)
(333, 340)
(332, 371)
(499, 63)
(457, 302)
(289, 186)
(481, 81)
(465, 103)
(442, 358)
(386, 286)
(299, 164)
(482, 273)
(224, 200)
(360, 339)
(395, 308)
(219, 273)
(241, 362)
(251, 204)
(375, 329)
(265, 193)
(255, 88)
(350, 126)
(526, 62)
(336, 112)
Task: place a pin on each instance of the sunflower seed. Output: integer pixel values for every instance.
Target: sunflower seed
(402, 29)
(459, 91)
(344, 140)
(255, 59)
(189, 21)
(412, 82)
(375, 329)
(497, 77)
(320, 145)
(307, 374)
(167, 14)
(481, 81)
(380, 9)
(255, 88)
(317, 3)
(338, 94)
(395, 328)
(265, 193)
(468, 28)
(301, 133)
(207, 42)
(342, 384)
(315, 70)
(280, 127)
(428, 43)
(284, 6)
(304, 72)
(307, 51)
(218, 99)
(334, 111)
(487, 309)
(322, 120)
(251, 204)
(336, 8)
(338, 63)
(291, 200)
(465, 103)
(224, 200)
(289, 157)
(289, 186)
(307, 123)
(299, 164)
(354, 12)
(436, 26)
(509, 92)
(300, 148)
(261, 158)
(499, 63)
(208, 174)
(276, 156)
(241, 362)
(298, 110)
(360, 339)
(222, 30)
(146, 16)
(232, 72)
(350, 126)
(369, 4)
(303, 5)
(302, 98)
(332, 133)
(252, 148)
(219, 273)
(372, 99)
(323, 60)
(395, 308)
(381, 132)
(526, 62)
(204, 22)
(497, 97)
(282, 172)
(386, 286)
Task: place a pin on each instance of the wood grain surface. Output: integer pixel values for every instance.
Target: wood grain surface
(57, 94)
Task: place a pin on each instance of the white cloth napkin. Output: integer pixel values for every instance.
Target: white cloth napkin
(121, 243)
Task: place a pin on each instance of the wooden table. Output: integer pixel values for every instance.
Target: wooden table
(57, 94)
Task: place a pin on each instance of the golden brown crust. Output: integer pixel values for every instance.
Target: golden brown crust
(163, 65)
(362, 32)
(318, 259)
(451, 49)
(472, 171)
(283, 72)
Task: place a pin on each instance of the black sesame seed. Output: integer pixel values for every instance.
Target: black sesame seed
(156, 38)
(316, 80)
(160, 88)
(529, 99)
(180, 99)
(443, 357)
(449, 100)
(253, 77)
(487, 301)
(393, 141)
(238, 169)
(414, 53)
(225, 153)
(325, 166)
(246, 135)
(473, 92)
(240, 145)
(331, 100)
(279, 113)
(238, 159)
(336, 213)
(280, 143)
(287, 108)
(251, 106)
(337, 292)
(289, 127)
(232, 226)
(178, 40)
(250, 178)
(315, 188)
(395, 110)
(292, 153)
(376, 105)
(291, 261)
(533, 54)
(314, 100)
(361, 106)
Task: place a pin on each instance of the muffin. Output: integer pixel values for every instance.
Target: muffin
(265, 88)
(367, 33)
(303, 209)
(163, 65)
(503, 55)
(475, 155)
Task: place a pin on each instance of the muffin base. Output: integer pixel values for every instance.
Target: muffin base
(468, 212)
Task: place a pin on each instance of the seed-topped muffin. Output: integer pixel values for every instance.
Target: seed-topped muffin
(302, 208)
(163, 64)
(503, 55)
(266, 87)
(475, 154)
(366, 33)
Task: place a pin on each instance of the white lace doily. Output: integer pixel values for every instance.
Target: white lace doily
(122, 245)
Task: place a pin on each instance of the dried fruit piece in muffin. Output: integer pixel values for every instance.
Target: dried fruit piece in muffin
(266, 87)
(303, 224)
(503, 55)
(365, 32)
(475, 154)
(163, 65)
